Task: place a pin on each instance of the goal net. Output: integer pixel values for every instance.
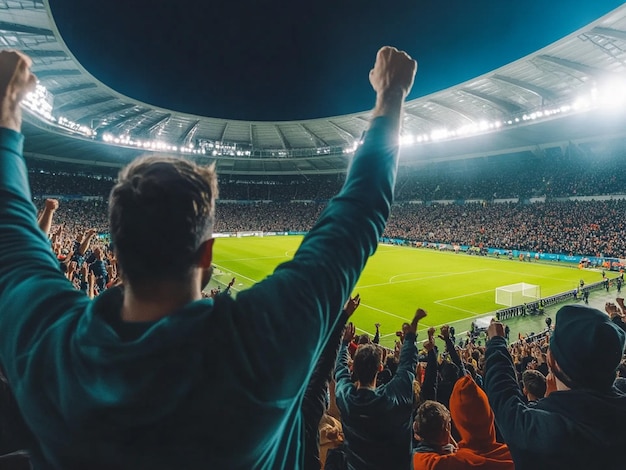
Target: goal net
(517, 294)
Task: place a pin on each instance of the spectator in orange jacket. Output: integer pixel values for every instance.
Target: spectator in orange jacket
(474, 420)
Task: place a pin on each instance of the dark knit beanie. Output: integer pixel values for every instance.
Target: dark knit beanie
(587, 346)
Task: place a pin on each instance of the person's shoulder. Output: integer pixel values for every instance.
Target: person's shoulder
(426, 458)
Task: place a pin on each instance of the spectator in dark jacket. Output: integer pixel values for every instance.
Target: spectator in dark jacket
(377, 421)
(315, 396)
(580, 425)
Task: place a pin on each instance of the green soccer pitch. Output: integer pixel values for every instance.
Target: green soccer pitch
(452, 288)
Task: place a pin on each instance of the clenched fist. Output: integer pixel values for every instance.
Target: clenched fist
(393, 72)
(16, 81)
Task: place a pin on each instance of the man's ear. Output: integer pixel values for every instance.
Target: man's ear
(206, 253)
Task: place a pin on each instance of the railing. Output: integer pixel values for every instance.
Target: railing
(536, 307)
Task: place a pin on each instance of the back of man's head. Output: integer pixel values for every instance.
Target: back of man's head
(160, 213)
(534, 384)
(367, 363)
(432, 423)
(587, 346)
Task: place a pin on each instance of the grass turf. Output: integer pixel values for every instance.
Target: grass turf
(452, 288)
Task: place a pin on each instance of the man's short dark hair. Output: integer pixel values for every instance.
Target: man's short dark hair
(367, 362)
(160, 212)
(432, 421)
(534, 383)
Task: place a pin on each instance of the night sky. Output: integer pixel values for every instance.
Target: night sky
(289, 59)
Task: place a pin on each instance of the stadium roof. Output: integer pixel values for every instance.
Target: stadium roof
(557, 95)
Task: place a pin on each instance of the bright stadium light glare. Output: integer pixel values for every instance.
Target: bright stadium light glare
(439, 134)
(609, 93)
(581, 103)
(612, 93)
(407, 139)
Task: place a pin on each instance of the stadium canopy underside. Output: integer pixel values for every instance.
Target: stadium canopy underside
(546, 99)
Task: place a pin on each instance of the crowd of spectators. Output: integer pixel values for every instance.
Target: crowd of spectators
(556, 173)
(556, 226)
(432, 403)
(570, 227)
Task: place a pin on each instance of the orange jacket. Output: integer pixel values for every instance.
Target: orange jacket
(474, 420)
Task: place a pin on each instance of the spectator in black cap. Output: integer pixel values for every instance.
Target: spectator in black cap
(580, 424)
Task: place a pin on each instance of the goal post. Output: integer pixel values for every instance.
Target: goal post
(517, 294)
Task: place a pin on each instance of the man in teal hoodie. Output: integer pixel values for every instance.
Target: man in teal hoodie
(152, 375)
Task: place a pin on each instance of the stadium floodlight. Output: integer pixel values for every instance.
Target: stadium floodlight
(40, 101)
(407, 139)
(611, 93)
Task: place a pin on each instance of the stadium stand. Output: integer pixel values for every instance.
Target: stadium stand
(470, 403)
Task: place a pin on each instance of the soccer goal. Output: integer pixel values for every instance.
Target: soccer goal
(517, 294)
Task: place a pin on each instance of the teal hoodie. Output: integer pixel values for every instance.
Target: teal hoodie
(217, 384)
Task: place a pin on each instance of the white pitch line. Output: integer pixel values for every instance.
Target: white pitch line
(456, 308)
(225, 283)
(400, 275)
(236, 274)
(422, 278)
(466, 295)
(391, 279)
(254, 259)
(383, 311)
(388, 334)
(364, 331)
(404, 320)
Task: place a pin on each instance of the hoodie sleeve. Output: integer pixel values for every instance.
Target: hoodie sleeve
(300, 303)
(429, 387)
(521, 426)
(400, 388)
(34, 293)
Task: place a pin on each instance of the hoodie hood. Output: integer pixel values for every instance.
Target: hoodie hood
(472, 416)
(474, 420)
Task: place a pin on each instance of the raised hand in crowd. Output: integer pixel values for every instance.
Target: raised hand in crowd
(550, 384)
(444, 333)
(91, 288)
(420, 314)
(45, 218)
(495, 329)
(348, 333)
(351, 305)
(431, 332)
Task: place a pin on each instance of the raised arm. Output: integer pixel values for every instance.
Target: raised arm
(454, 355)
(429, 387)
(310, 289)
(343, 377)
(376, 339)
(86, 240)
(513, 417)
(402, 382)
(314, 401)
(45, 221)
(27, 263)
